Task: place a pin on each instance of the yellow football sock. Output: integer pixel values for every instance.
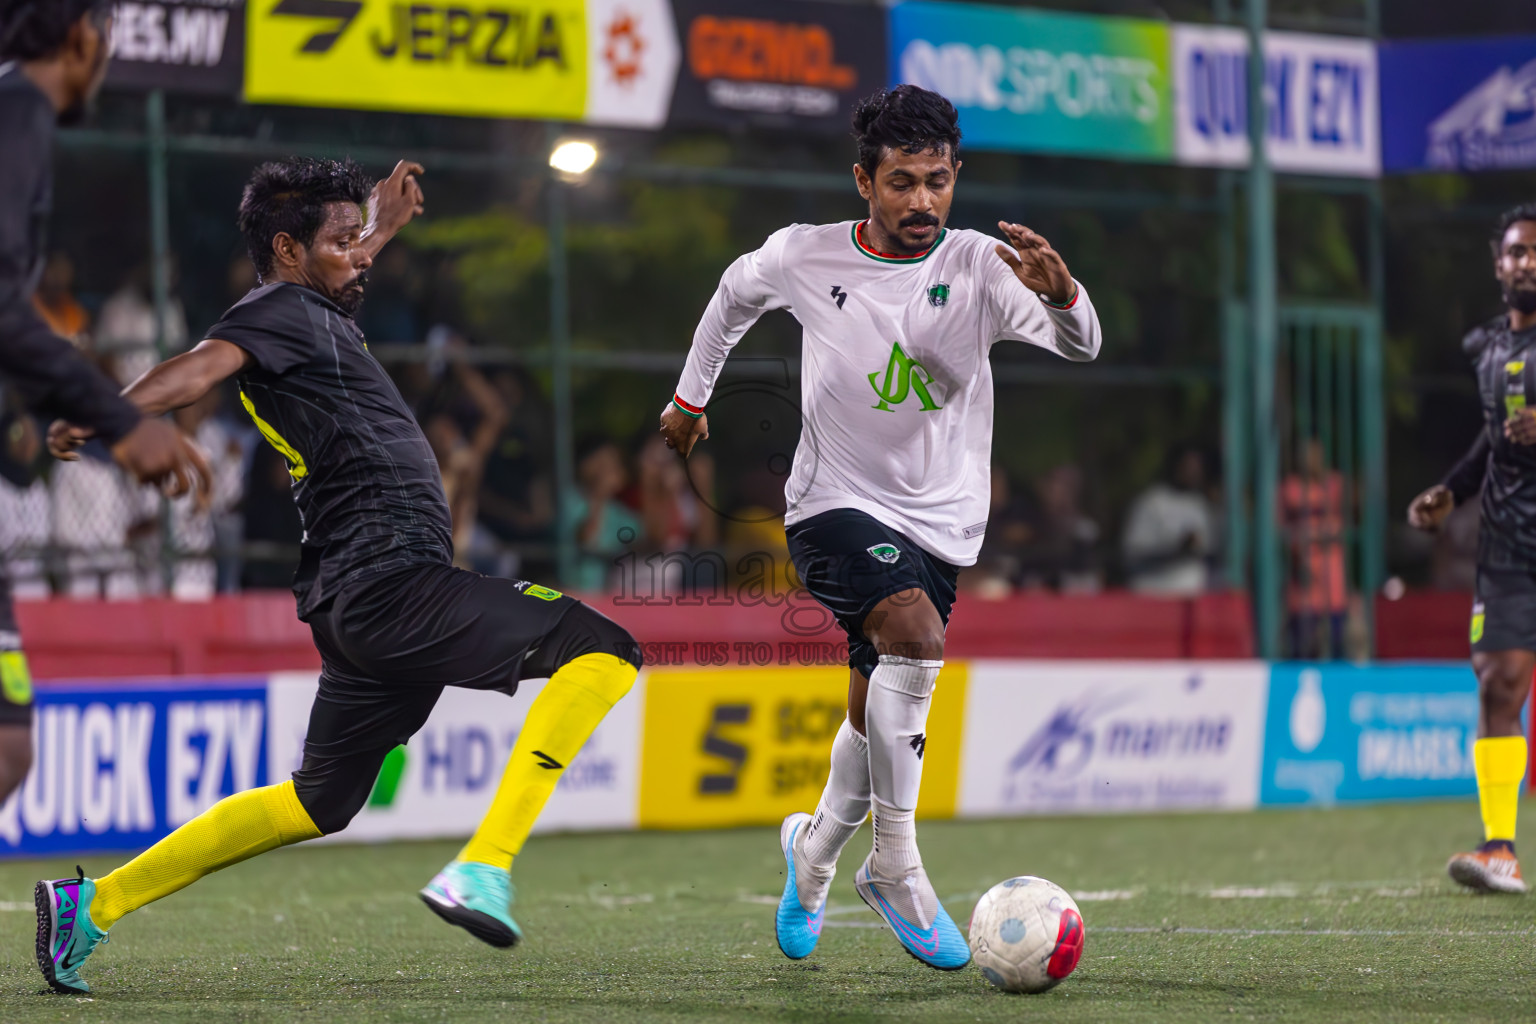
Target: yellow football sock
(559, 722)
(234, 829)
(1500, 762)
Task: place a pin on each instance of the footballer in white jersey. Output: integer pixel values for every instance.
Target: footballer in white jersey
(888, 494)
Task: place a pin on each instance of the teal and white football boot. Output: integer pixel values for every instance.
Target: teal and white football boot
(65, 933)
(477, 898)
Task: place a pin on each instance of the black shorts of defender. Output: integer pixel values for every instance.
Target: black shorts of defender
(850, 562)
(390, 644)
(15, 679)
(1504, 610)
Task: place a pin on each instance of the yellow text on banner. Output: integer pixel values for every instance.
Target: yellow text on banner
(745, 746)
(489, 58)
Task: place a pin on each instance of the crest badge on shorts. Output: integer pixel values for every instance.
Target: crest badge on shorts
(886, 553)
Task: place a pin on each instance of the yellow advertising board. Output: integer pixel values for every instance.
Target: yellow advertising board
(749, 746)
(491, 58)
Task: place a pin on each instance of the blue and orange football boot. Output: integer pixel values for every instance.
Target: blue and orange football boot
(65, 933)
(912, 910)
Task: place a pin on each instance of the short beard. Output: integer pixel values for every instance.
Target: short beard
(350, 298)
(1522, 300)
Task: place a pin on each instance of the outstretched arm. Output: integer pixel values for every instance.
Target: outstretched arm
(748, 288)
(394, 201)
(176, 382)
(1036, 300)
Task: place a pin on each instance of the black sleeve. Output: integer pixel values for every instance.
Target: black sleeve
(1466, 477)
(54, 377)
(273, 325)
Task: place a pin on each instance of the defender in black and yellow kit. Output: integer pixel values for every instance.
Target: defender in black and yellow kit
(1502, 464)
(394, 621)
(53, 56)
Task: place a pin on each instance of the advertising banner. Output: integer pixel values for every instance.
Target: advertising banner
(1104, 737)
(611, 61)
(750, 746)
(117, 768)
(1341, 733)
(1034, 81)
(1322, 114)
(793, 64)
(190, 46)
(1463, 104)
(442, 781)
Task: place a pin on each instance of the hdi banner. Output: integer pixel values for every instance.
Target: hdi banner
(794, 64)
(1035, 81)
(189, 46)
(1459, 104)
(1322, 114)
(603, 61)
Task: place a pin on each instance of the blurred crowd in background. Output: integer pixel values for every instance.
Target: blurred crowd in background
(82, 530)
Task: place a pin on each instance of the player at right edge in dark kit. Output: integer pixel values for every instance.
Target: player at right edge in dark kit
(394, 620)
(1502, 462)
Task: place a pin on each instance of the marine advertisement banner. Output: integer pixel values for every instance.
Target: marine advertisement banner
(608, 61)
(1458, 105)
(188, 46)
(1341, 733)
(1322, 114)
(794, 64)
(1036, 81)
(1107, 737)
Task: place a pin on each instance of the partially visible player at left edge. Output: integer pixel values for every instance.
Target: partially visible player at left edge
(53, 57)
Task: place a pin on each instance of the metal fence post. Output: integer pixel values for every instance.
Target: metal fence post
(159, 216)
(1234, 392)
(560, 377)
(1262, 287)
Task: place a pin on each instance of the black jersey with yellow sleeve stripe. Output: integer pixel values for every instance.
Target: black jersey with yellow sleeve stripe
(364, 478)
(1505, 364)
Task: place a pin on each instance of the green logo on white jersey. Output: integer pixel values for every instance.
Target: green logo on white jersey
(903, 376)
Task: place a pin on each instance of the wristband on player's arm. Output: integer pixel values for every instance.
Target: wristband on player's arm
(1062, 305)
(693, 411)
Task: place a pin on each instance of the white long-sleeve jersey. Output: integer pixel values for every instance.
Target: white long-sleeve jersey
(896, 389)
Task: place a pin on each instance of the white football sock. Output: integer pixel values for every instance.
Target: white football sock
(896, 721)
(844, 802)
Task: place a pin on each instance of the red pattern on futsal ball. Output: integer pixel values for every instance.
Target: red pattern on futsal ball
(1069, 946)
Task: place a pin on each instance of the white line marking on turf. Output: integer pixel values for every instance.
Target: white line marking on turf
(6, 905)
(1105, 895)
(1335, 932)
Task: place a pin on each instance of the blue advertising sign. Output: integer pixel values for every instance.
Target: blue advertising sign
(1459, 104)
(120, 767)
(1341, 733)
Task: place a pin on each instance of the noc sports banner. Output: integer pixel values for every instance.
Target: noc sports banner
(1322, 114)
(1034, 81)
(793, 64)
(749, 746)
(602, 61)
(1345, 733)
(1458, 105)
(189, 46)
(1108, 737)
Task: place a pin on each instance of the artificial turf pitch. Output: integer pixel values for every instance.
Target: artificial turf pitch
(1341, 915)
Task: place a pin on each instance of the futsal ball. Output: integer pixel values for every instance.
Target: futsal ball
(1026, 934)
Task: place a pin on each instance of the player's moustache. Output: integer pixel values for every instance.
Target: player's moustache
(919, 220)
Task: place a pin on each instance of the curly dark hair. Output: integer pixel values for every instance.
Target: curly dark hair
(35, 29)
(290, 196)
(908, 118)
(1509, 218)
